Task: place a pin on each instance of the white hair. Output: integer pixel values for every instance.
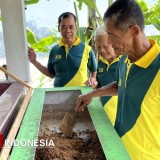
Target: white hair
(101, 31)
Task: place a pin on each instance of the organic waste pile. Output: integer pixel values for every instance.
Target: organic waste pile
(73, 148)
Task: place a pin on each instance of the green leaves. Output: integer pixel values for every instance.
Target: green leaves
(28, 2)
(90, 4)
(143, 5)
(151, 14)
(81, 33)
(43, 44)
(40, 45)
(32, 38)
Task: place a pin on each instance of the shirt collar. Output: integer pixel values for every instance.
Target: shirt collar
(149, 57)
(74, 44)
(106, 62)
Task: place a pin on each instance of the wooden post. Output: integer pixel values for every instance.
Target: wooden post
(14, 77)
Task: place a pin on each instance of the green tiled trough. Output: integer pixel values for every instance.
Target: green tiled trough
(30, 127)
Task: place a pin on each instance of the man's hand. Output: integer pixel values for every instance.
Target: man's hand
(31, 55)
(91, 82)
(83, 101)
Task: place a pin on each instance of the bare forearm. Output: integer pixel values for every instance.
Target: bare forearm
(42, 69)
(84, 100)
(109, 90)
(93, 74)
(92, 80)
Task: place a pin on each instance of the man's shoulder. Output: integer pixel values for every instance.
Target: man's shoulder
(55, 47)
(85, 46)
(88, 47)
(80, 44)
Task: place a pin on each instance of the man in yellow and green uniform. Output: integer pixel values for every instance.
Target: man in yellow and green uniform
(138, 114)
(106, 74)
(70, 66)
(138, 81)
(70, 60)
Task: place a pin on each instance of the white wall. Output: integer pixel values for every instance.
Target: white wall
(15, 41)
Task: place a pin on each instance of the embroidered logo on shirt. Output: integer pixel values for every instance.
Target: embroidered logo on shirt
(119, 83)
(100, 70)
(58, 56)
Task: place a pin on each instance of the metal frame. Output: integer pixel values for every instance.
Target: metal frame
(4, 154)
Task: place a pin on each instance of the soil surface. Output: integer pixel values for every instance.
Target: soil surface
(73, 148)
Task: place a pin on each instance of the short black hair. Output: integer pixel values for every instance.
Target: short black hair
(65, 15)
(125, 13)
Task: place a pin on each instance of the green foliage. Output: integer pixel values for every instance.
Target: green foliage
(81, 33)
(143, 5)
(42, 81)
(92, 34)
(31, 37)
(151, 15)
(42, 45)
(90, 4)
(28, 2)
(75, 8)
(110, 2)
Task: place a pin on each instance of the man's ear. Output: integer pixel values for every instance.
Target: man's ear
(135, 30)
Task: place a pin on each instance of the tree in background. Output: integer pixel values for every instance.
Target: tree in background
(86, 34)
(44, 44)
